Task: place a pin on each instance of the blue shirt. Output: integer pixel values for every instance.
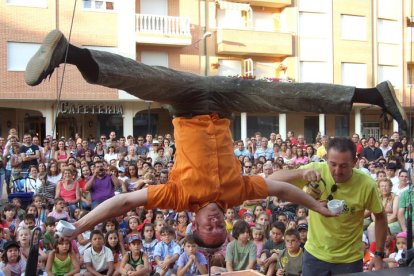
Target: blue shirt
(163, 250)
(243, 152)
(267, 153)
(192, 270)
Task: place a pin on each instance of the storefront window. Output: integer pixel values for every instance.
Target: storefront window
(144, 124)
(265, 125)
(108, 123)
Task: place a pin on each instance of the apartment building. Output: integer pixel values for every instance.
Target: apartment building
(350, 42)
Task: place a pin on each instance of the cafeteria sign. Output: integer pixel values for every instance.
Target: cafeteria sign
(74, 108)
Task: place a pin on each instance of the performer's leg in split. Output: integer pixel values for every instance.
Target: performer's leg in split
(190, 94)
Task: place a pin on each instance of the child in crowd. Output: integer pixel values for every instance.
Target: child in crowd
(17, 203)
(149, 242)
(98, 258)
(133, 223)
(241, 243)
(303, 234)
(83, 240)
(23, 237)
(166, 252)
(290, 259)
(41, 207)
(229, 219)
(182, 222)
(291, 224)
(62, 260)
(190, 261)
(301, 212)
(2, 239)
(258, 238)
(49, 237)
(264, 220)
(249, 218)
(12, 262)
(10, 220)
(368, 255)
(272, 247)
(113, 242)
(257, 210)
(28, 222)
(159, 224)
(134, 262)
(59, 211)
(395, 258)
(112, 225)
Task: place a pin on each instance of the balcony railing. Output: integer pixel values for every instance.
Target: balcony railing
(162, 30)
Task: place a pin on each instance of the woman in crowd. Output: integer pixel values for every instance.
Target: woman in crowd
(132, 156)
(99, 150)
(68, 189)
(110, 155)
(390, 204)
(62, 154)
(310, 153)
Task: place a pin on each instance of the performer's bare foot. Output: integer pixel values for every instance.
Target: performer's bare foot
(47, 58)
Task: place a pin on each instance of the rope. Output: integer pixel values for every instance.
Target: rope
(59, 94)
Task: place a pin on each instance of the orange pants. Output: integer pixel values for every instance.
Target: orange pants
(205, 169)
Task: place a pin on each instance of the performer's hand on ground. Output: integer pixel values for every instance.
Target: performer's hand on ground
(311, 175)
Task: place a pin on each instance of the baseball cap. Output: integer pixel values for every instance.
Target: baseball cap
(302, 226)
(402, 235)
(9, 244)
(121, 169)
(133, 238)
(248, 213)
(155, 141)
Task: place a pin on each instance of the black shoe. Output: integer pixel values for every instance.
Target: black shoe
(392, 105)
(47, 58)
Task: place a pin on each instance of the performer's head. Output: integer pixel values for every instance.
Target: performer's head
(209, 228)
(341, 158)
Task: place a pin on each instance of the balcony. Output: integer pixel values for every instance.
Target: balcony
(162, 30)
(268, 3)
(254, 43)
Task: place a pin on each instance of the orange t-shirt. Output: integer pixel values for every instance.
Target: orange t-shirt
(205, 169)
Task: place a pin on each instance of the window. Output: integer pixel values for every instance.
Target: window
(264, 69)
(314, 49)
(314, 72)
(313, 25)
(354, 74)
(390, 73)
(29, 3)
(99, 5)
(341, 126)
(264, 21)
(19, 54)
(389, 31)
(154, 58)
(230, 67)
(353, 27)
(113, 50)
(158, 7)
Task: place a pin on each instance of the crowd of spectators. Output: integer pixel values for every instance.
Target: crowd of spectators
(70, 176)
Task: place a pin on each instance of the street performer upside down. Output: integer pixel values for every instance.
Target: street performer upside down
(206, 175)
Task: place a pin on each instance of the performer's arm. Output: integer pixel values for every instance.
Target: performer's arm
(381, 226)
(307, 175)
(401, 219)
(111, 208)
(291, 193)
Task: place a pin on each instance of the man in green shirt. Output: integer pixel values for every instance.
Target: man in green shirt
(405, 199)
(334, 244)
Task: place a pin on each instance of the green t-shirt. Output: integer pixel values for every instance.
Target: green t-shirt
(404, 201)
(48, 241)
(240, 256)
(338, 239)
(291, 264)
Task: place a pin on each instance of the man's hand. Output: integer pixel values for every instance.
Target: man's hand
(311, 175)
(191, 259)
(324, 211)
(378, 263)
(280, 272)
